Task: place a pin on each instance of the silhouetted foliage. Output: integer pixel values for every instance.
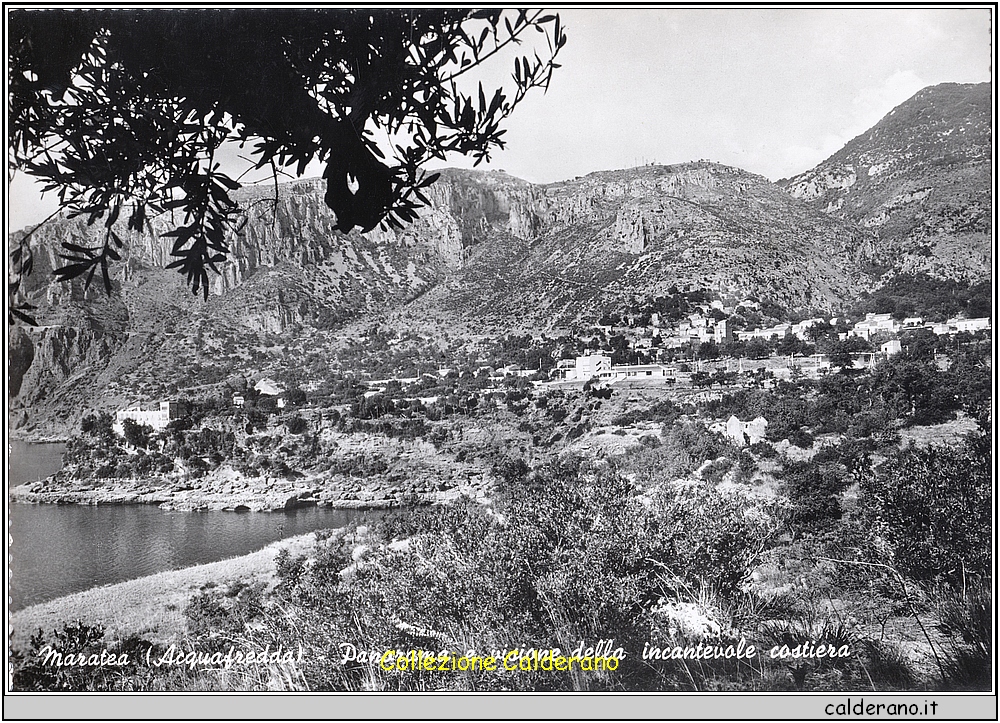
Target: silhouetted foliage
(123, 112)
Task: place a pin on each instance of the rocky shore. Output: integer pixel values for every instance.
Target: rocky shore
(227, 489)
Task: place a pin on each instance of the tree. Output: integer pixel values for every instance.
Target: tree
(919, 344)
(702, 379)
(758, 348)
(136, 434)
(708, 350)
(791, 344)
(123, 112)
(822, 329)
(814, 491)
(842, 352)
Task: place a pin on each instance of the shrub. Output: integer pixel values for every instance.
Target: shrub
(930, 507)
(967, 619)
(37, 669)
(814, 490)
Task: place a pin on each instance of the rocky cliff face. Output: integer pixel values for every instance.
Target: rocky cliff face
(288, 271)
(919, 181)
(617, 234)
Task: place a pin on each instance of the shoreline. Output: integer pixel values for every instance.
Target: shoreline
(13, 436)
(151, 606)
(228, 490)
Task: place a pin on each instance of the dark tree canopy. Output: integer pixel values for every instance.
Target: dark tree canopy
(122, 112)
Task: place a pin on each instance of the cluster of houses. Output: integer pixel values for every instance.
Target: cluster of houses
(698, 327)
(706, 325)
(159, 417)
(875, 323)
(704, 328)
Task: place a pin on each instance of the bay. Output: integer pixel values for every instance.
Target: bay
(56, 550)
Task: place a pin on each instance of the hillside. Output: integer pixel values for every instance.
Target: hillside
(493, 254)
(919, 180)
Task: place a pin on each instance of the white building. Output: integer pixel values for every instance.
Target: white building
(891, 347)
(957, 324)
(799, 330)
(638, 371)
(158, 419)
(723, 331)
(873, 323)
(742, 432)
(592, 365)
(772, 332)
(969, 325)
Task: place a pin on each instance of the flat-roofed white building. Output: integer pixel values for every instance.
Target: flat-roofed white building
(639, 371)
(969, 325)
(873, 323)
(891, 347)
(158, 419)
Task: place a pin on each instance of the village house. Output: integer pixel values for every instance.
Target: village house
(891, 347)
(873, 323)
(599, 366)
(592, 365)
(773, 332)
(799, 330)
(969, 325)
(627, 371)
(723, 331)
(742, 432)
(564, 369)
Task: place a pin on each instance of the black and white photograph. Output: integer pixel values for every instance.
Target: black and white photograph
(459, 350)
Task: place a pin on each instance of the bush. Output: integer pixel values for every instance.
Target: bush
(50, 663)
(558, 414)
(967, 619)
(814, 491)
(564, 554)
(930, 508)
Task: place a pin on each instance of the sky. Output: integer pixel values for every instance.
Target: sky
(772, 91)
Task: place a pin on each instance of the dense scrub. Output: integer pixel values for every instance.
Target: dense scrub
(669, 545)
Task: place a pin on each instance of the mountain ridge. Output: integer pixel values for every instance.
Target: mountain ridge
(920, 180)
